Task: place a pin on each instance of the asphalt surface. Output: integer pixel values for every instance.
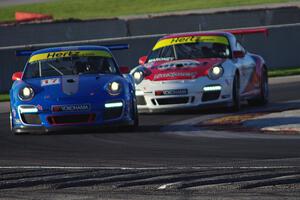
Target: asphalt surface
(167, 158)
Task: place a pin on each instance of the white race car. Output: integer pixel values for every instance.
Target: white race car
(200, 69)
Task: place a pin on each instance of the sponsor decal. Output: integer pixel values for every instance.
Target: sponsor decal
(190, 39)
(178, 64)
(14, 113)
(71, 108)
(39, 107)
(52, 81)
(63, 54)
(161, 59)
(171, 92)
(175, 74)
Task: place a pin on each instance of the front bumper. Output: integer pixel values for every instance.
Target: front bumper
(202, 92)
(37, 118)
(68, 128)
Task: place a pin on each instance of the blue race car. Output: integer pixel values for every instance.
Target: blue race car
(72, 87)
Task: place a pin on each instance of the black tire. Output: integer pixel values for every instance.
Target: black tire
(135, 118)
(263, 98)
(13, 131)
(11, 124)
(236, 100)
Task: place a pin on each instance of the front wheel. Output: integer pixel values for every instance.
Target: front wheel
(135, 117)
(236, 101)
(11, 123)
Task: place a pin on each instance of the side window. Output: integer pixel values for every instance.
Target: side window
(32, 70)
(111, 66)
(239, 47)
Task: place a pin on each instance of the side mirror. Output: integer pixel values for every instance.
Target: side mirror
(124, 70)
(17, 76)
(238, 54)
(142, 60)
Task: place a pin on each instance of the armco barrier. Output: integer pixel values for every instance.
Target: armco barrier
(280, 49)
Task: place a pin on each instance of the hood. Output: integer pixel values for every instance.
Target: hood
(65, 87)
(180, 69)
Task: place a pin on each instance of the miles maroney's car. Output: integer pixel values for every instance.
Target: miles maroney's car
(200, 69)
(67, 87)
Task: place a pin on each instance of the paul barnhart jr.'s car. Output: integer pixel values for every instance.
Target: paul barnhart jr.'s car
(200, 69)
(67, 87)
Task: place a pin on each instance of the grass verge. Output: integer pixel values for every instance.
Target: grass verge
(88, 9)
(4, 97)
(287, 71)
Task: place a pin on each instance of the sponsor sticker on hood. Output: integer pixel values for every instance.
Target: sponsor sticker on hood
(71, 108)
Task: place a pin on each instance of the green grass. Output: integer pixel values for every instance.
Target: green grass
(65, 9)
(287, 71)
(4, 97)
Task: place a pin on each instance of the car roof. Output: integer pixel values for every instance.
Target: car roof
(71, 48)
(202, 33)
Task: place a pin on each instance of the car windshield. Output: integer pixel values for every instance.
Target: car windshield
(190, 50)
(70, 66)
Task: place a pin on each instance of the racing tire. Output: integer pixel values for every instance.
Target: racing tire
(135, 117)
(263, 98)
(11, 126)
(236, 99)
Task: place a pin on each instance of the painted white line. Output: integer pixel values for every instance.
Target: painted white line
(146, 168)
(165, 186)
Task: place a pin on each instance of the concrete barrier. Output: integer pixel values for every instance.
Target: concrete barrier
(61, 31)
(224, 18)
(212, 21)
(280, 49)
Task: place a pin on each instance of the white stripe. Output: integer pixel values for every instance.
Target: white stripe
(145, 168)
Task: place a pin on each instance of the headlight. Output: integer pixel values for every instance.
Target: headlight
(138, 76)
(215, 72)
(26, 93)
(114, 88)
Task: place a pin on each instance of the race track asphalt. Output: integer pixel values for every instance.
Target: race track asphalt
(158, 144)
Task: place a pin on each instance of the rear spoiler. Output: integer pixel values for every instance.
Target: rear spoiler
(112, 47)
(247, 31)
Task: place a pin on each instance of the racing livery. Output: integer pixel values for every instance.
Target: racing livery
(71, 87)
(200, 69)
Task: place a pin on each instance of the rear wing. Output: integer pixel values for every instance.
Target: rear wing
(112, 47)
(247, 31)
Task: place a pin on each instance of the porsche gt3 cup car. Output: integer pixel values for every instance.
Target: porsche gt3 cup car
(200, 69)
(71, 87)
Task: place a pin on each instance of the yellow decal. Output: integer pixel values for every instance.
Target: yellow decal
(190, 39)
(63, 54)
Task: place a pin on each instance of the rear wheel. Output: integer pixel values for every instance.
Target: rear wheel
(236, 100)
(264, 91)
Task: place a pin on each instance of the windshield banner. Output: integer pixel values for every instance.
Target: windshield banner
(190, 39)
(64, 54)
